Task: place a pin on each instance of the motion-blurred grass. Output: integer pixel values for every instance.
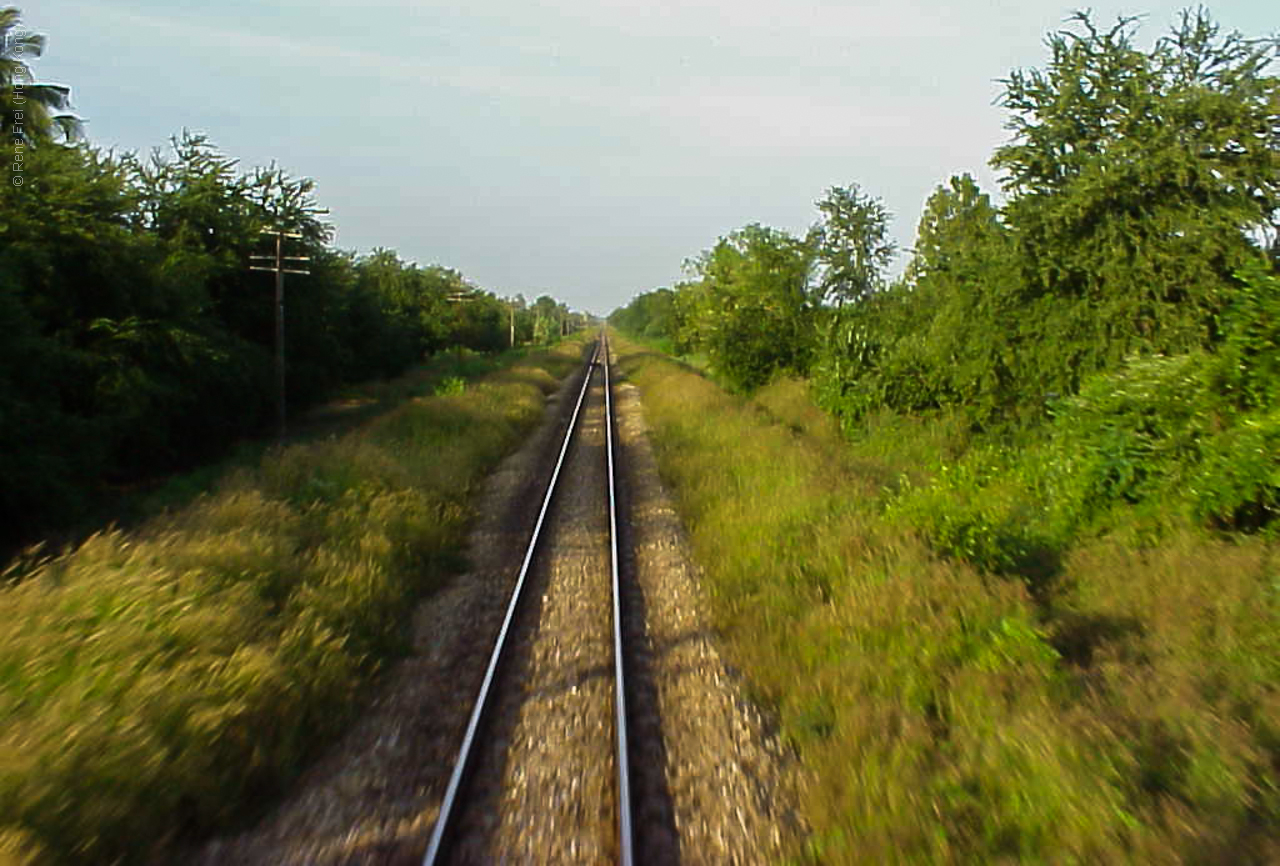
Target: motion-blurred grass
(1116, 705)
(155, 682)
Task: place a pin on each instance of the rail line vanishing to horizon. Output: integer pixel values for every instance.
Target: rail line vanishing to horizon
(454, 803)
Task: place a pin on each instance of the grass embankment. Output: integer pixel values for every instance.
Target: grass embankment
(1116, 705)
(157, 681)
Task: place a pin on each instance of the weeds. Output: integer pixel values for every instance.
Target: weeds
(970, 670)
(168, 676)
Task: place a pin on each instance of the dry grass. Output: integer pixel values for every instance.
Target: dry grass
(155, 682)
(1124, 713)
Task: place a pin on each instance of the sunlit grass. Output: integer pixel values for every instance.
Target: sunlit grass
(1119, 709)
(159, 680)
(351, 406)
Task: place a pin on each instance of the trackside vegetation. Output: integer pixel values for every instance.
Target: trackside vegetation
(155, 681)
(998, 538)
(137, 342)
(1120, 707)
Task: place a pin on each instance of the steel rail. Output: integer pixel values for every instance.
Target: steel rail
(438, 834)
(625, 853)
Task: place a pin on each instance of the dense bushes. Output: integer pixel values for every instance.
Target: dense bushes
(1192, 436)
(650, 316)
(754, 304)
(1137, 182)
(1027, 609)
(137, 340)
(1025, 699)
(751, 307)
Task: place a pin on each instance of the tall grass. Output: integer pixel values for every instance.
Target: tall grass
(156, 681)
(1121, 710)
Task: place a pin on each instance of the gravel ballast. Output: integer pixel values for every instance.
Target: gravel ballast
(710, 783)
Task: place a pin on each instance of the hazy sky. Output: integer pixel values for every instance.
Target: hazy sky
(580, 147)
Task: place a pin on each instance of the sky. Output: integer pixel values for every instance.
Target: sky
(579, 148)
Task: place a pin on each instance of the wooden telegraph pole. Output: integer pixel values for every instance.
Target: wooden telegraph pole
(464, 296)
(279, 269)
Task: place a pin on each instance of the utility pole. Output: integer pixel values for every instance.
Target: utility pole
(461, 296)
(279, 269)
(465, 296)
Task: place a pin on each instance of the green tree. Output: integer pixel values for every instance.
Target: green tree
(752, 306)
(85, 296)
(958, 218)
(1135, 179)
(852, 244)
(1138, 184)
(650, 315)
(480, 323)
(548, 319)
(211, 214)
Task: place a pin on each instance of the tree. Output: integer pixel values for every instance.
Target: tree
(966, 306)
(957, 219)
(852, 244)
(1135, 179)
(751, 306)
(1137, 183)
(524, 319)
(548, 319)
(650, 315)
(31, 112)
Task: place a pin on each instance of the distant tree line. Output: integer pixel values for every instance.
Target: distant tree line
(136, 340)
(1140, 233)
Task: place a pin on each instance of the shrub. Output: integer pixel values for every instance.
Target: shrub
(981, 511)
(1237, 483)
(1123, 711)
(1132, 433)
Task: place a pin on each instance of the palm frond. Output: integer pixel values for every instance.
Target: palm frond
(56, 97)
(70, 126)
(15, 42)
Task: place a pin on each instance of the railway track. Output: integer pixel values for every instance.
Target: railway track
(577, 785)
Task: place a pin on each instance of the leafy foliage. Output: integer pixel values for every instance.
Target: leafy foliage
(852, 245)
(649, 316)
(137, 340)
(1192, 436)
(915, 345)
(1133, 180)
(755, 303)
(1136, 181)
(751, 306)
